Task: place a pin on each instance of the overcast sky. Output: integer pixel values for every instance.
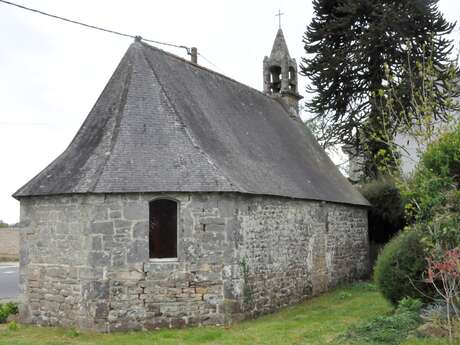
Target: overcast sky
(51, 72)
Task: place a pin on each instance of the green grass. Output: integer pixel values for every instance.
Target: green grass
(321, 320)
(428, 341)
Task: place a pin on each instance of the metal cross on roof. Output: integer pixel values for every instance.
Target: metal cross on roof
(279, 17)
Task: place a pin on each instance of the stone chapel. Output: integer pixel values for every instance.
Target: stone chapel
(187, 198)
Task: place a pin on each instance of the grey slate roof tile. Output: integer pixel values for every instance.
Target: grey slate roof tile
(163, 124)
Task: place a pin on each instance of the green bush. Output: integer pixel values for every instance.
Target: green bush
(433, 193)
(408, 304)
(386, 216)
(443, 156)
(12, 326)
(388, 329)
(72, 333)
(438, 173)
(399, 269)
(425, 193)
(6, 310)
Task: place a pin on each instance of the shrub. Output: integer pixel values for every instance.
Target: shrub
(443, 156)
(441, 231)
(12, 326)
(425, 193)
(400, 267)
(6, 310)
(388, 329)
(72, 333)
(386, 216)
(408, 304)
(438, 172)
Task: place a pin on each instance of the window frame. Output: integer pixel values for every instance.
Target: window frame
(171, 259)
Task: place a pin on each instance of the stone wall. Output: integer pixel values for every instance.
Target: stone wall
(54, 269)
(85, 258)
(289, 250)
(9, 243)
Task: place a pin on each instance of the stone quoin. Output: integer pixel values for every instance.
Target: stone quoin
(187, 198)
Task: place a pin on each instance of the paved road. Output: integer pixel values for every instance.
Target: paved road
(9, 280)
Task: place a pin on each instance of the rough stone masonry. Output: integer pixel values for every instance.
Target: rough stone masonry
(85, 262)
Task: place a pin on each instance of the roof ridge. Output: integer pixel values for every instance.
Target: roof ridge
(187, 132)
(204, 68)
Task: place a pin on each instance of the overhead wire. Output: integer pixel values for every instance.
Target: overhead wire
(208, 61)
(94, 26)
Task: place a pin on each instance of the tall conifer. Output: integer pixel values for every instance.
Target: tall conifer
(351, 47)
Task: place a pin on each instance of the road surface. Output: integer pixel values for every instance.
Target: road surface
(9, 280)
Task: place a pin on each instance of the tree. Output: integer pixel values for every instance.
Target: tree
(432, 191)
(352, 46)
(411, 106)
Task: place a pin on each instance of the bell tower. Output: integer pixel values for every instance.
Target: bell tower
(280, 74)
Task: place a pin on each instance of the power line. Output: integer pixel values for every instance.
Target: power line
(208, 61)
(94, 26)
(72, 21)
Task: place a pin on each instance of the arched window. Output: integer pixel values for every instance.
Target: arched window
(163, 228)
(275, 78)
(292, 79)
(292, 74)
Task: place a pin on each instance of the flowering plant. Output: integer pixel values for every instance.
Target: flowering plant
(444, 274)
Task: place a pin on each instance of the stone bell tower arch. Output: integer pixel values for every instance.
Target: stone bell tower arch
(280, 74)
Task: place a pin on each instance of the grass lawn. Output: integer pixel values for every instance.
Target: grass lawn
(320, 320)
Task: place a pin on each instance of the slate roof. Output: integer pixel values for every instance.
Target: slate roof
(279, 49)
(163, 124)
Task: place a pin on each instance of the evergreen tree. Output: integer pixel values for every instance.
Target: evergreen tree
(352, 47)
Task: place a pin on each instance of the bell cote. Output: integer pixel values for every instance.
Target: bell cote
(280, 74)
